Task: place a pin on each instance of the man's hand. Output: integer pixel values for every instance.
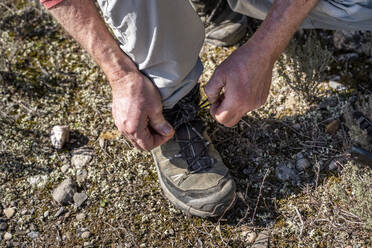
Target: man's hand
(240, 84)
(137, 111)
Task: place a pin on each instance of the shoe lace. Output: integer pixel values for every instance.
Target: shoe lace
(185, 114)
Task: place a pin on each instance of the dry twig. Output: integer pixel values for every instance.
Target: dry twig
(259, 194)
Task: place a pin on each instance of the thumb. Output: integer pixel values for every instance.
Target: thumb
(214, 87)
(160, 125)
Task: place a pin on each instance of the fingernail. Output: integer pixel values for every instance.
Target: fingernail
(166, 129)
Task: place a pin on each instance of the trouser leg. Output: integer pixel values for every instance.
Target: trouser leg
(328, 14)
(163, 37)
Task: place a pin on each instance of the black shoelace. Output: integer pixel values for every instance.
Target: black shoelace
(183, 116)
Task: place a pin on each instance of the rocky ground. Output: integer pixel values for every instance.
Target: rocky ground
(298, 183)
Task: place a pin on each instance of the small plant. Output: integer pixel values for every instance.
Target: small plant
(303, 66)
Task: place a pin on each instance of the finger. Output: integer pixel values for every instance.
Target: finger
(159, 124)
(214, 87)
(144, 138)
(225, 114)
(131, 140)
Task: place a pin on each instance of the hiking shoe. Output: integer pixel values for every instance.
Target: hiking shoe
(224, 27)
(190, 170)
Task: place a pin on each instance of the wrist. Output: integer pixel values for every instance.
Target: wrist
(265, 50)
(123, 80)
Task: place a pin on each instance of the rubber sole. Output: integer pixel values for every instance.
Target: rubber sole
(188, 209)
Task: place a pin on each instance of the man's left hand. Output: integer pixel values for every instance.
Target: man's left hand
(240, 84)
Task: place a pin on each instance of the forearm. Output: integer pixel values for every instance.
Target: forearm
(282, 22)
(81, 19)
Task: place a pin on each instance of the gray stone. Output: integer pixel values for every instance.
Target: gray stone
(9, 212)
(33, 235)
(65, 191)
(3, 226)
(85, 235)
(7, 236)
(285, 172)
(79, 199)
(81, 157)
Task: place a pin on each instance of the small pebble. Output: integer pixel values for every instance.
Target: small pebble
(33, 235)
(3, 226)
(8, 236)
(59, 212)
(85, 235)
(59, 136)
(9, 212)
(101, 142)
(65, 191)
(79, 199)
(46, 214)
(337, 86)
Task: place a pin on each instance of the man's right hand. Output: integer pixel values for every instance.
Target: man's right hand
(137, 110)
